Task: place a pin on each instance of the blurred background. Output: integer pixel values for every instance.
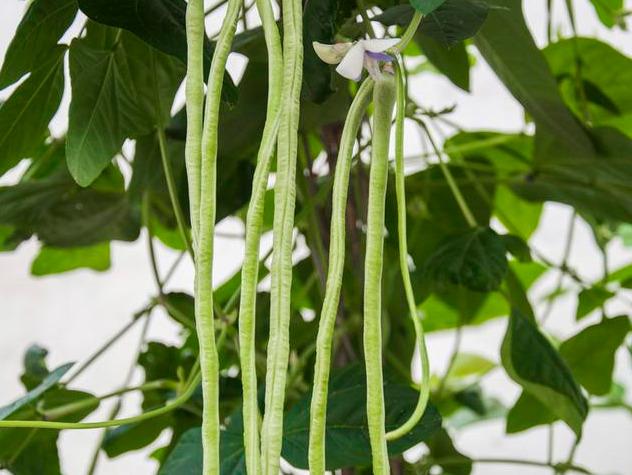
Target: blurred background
(72, 314)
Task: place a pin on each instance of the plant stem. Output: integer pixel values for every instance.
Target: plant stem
(106, 346)
(173, 190)
(254, 223)
(118, 404)
(458, 196)
(410, 31)
(383, 101)
(150, 243)
(400, 189)
(284, 204)
(318, 408)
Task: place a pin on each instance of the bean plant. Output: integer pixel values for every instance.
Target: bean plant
(390, 223)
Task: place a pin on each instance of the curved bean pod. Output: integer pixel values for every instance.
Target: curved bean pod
(318, 409)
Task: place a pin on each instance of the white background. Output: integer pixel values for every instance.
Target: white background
(73, 314)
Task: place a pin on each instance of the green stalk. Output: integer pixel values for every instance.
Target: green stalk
(209, 360)
(318, 409)
(383, 101)
(400, 190)
(284, 203)
(254, 222)
(195, 103)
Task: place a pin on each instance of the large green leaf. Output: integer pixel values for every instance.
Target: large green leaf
(159, 23)
(62, 214)
(53, 260)
(318, 25)
(24, 117)
(605, 74)
(34, 41)
(507, 45)
(346, 439)
(103, 111)
(532, 362)
(476, 260)
(451, 22)
(590, 354)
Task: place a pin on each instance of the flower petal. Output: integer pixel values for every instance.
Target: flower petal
(351, 65)
(378, 46)
(331, 54)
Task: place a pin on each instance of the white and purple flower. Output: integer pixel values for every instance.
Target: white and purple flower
(351, 58)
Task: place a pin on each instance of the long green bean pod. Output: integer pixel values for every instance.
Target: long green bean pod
(254, 221)
(209, 363)
(400, 191)
(195, 104)
(284, 203)
(383, 102)
(318, 409)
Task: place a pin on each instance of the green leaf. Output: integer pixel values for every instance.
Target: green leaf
(318, 25)
(36, 38)
(605, 73)
(453, 62)
(507, 204)
(35, 369)
(517, 247)
(455, 21)
(532, 362)
(426, 6)
(610, 12)
(135, 436)
(526, 413)
(346, 438)
(441, 447)
(52, 260)
(475, 260)
(181, 307)
(24, 117)
(47, 383)
(466, 369)
(590, 299)
(508, 47)
(159, 23)
(62, 214)
(590, 354)
(105, 111)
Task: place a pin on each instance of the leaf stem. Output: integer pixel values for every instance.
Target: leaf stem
(173, 191)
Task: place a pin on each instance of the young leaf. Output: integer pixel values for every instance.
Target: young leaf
(610, 12)
(591, 299)
(35, 369)
(36, 38)
(24, 117)
(54, 260)
(590, 354)
(476, 260)
(532, 362)
(47, 383)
